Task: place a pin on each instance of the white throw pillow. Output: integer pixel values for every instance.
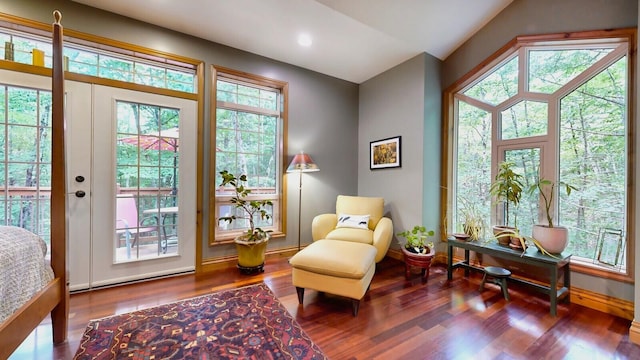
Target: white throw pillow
(353, 221)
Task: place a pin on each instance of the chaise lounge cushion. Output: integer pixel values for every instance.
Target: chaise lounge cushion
(350, 234)
(342, 259)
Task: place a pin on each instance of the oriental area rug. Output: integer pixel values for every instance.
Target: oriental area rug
(243, 323)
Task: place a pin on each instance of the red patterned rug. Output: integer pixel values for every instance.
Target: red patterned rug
(244, 323)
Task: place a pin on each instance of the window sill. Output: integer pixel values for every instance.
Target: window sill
(229, 239)
(588, 268)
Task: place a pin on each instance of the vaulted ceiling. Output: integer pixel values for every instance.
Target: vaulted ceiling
(352, 40)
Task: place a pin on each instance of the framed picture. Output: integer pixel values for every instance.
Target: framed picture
(385, 153)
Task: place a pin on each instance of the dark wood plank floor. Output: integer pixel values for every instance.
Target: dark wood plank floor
(398, 319)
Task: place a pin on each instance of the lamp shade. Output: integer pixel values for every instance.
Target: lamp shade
(302, 162)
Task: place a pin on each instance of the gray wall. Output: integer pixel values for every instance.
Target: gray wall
(323, 111)
(524, 17)
(404, 101)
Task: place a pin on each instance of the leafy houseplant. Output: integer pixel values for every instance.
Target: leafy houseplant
(552, 239)
(252, 244)
(416, 239)
(417, 251)
(507, 188)
(548, 197)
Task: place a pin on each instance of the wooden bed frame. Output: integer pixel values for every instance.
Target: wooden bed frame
(54, 298)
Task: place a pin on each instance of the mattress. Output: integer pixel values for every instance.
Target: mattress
(24, 270)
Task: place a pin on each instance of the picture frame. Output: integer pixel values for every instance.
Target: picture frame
(385, 153)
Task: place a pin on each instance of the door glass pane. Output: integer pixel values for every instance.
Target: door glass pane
(147, 169)
(25, 159)
(527, 162)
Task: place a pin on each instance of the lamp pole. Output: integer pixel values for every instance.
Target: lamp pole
(299, 209)
(301, 163)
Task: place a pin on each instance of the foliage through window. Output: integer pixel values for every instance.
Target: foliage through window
(105, 64)
(248, 140)
(25, 159)
(559, 110)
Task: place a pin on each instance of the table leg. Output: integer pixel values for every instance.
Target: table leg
(553, 291)
(567, 282)
(466, 260)
(449, 262)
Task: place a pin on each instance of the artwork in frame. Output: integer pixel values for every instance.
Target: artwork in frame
(385, 153)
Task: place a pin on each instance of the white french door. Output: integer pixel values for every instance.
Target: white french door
(125, 249)
(100, 250)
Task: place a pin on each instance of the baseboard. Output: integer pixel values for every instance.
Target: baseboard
(231, 261)
(634, 332)
(604, 303)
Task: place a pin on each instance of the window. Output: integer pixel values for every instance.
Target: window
(249, 127)
(112, 64)
(25, 159)
(559, 109)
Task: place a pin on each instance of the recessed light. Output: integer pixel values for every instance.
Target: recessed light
(304, 40)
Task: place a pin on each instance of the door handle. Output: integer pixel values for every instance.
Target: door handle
(80, 193)
(79, 178)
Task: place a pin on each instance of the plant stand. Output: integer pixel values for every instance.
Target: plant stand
(250, 270)
(422, 261)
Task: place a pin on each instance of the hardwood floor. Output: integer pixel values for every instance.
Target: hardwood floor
(398, 319)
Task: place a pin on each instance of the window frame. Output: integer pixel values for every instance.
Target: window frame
(516, 47)
(279, 208)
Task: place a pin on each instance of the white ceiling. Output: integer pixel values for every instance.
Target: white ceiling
(353, 40)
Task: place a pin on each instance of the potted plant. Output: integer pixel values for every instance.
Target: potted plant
(417, 251)
(507, 188)
(252, 244)
(472, 219)
(551, 238)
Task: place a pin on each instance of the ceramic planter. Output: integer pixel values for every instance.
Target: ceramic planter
(251, 255)
(553, 240)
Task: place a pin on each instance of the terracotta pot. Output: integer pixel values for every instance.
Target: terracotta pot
(422, 261)
(553, 240)
(502, 230)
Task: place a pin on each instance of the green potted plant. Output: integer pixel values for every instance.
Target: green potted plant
(551, 238)
(252, 244)
(506, 188)
(417, 251)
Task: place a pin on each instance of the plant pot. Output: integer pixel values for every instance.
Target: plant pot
(501, 232)
(422, 261)
(473, 231)
(251, 255)
(553, 240)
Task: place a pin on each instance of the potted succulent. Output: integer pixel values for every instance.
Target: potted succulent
(417, 251)
(252, 244)
(507, 188)
(552, 239)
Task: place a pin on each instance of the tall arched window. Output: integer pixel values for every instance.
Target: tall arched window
(558, 107)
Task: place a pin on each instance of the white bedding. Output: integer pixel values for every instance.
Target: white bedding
(23, 268)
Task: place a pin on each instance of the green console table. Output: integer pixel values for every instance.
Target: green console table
(555, 266)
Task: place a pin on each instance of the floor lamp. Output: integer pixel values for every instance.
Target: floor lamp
(301, 163)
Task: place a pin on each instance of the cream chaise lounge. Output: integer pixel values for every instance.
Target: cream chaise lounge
(346, 247)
